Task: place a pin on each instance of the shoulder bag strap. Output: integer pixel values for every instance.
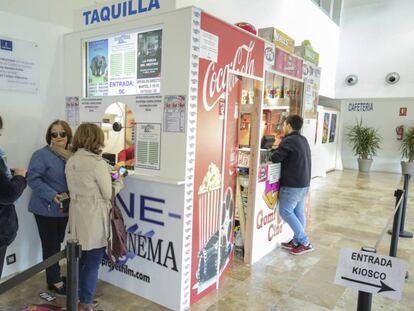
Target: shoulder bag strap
(111, 216)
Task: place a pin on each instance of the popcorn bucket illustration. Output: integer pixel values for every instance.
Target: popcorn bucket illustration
(209, 204)
(209, 227)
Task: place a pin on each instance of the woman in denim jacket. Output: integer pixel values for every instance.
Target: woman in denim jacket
(46, 177)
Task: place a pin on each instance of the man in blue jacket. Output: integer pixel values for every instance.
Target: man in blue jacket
(295, 157)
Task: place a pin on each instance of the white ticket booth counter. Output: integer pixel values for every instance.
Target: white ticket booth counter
(164, 79)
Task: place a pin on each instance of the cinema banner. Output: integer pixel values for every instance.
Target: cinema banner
(153, 216)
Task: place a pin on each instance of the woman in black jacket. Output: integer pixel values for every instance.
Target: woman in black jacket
(11, 189)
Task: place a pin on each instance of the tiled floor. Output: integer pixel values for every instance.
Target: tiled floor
(348, 210)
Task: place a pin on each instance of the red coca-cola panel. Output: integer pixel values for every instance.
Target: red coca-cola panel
(214, 180)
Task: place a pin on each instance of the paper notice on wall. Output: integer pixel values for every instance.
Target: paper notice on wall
(148, 146)
(174, 114)
(91, 110)
(19, 70)
(209, 44)
(273, 174)
(122, 64)
(149, 108)
(72, 110)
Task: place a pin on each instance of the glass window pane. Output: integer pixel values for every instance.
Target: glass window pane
(326, 6)
(336, 14)
(318, 2)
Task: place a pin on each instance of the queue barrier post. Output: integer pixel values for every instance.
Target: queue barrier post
(73, 253)
(364, 298)
(396, 224)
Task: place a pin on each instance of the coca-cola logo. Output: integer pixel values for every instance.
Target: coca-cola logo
(215, 79)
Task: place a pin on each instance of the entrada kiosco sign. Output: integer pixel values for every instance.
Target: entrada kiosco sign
(371, 273)
(109, 13)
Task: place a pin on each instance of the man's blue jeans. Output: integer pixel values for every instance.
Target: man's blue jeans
(88, 273)
(292, 210)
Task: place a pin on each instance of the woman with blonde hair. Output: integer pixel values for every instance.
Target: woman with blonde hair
(90, 186)
(46, 177)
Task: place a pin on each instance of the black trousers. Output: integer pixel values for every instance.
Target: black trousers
(2, 255)
(51, 232)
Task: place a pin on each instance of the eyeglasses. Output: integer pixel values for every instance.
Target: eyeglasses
(56, 134)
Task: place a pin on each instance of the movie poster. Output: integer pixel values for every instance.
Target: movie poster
(332, 130)
(149, 62)
(325, 132)
(97, 67)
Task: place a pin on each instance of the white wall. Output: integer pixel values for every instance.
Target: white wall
(385, 118)
(300, 19)
(377, 37)
(58, 12)
(26, 118)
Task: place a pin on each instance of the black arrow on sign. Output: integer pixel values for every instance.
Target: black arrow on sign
(383, 287)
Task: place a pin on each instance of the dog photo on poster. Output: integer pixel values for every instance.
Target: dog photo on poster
(97, 66)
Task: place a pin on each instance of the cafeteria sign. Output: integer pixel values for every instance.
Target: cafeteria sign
(365, 107)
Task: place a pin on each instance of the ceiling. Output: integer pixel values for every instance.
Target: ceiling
(59, 12)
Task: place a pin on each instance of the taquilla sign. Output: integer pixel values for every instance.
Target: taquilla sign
(112, 12)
